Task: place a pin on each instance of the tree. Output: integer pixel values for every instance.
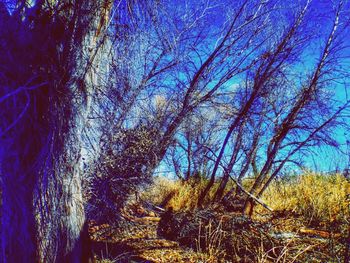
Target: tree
(312, 114)
(180, 62)
(196, 139)
(50, 52)
(276, 106)
(270, 62)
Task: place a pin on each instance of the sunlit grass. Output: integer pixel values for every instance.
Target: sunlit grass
(182, 196)
(314, 196)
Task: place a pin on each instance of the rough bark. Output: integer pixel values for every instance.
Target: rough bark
(43, 217)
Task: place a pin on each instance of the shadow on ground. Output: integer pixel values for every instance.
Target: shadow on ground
(125, 252)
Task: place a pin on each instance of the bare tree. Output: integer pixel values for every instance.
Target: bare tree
(269, 63)
(293, 111)
(182, 59)
(195, 141)
(312, 116)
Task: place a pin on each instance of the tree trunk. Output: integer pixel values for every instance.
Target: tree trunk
(42, 213)
(226, 176)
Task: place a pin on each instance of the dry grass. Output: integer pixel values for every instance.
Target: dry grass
(313, 198)
(184, 196)
(290, 252)
(316, 197)
(210, 243)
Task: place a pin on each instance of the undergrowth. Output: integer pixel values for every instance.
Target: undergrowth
(315, 197)
(317, 200)
(181, 196)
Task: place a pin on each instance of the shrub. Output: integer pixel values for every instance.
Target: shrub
(124, 164)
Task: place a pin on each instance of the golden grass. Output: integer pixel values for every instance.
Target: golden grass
(210, 247)
(184, 195)
(314, 196)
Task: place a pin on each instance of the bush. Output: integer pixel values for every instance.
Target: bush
(124, 165)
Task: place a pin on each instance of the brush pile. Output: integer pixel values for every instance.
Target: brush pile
(237, 237)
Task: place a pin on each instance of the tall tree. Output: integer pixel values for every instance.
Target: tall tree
(313, 113)
(277, 103)
(49, 51)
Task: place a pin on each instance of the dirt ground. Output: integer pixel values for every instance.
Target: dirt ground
(136, 241)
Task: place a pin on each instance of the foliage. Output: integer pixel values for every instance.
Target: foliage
(119, 171)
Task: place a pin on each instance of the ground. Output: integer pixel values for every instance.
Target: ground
(136, 240)
(138, 243)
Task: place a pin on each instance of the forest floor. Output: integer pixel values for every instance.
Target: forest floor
(137, 241)
(309, 223)
(140, 245)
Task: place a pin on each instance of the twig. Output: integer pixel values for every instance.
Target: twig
(18, 90)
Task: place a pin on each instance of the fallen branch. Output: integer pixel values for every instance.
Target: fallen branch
(250, 195)
(245, 191)
(319, 233)
(152, 206)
